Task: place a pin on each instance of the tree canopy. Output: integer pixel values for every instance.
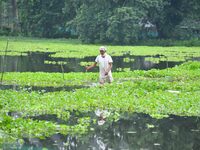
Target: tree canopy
(100, 21)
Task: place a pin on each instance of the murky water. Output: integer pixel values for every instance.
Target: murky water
(131, 132)
(42, 89)
(39, 61)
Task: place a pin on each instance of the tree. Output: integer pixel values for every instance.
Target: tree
(42, 18)
(91, 20)
(101, 21)
(116, 21)
(174, 12)
(123, 26)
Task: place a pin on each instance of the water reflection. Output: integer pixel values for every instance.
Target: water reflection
(39, 61)
(132, 132)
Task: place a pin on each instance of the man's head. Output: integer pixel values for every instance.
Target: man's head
(102, 50)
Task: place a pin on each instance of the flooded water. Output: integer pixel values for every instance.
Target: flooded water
(41, 89)
(39, 61)
(131, 132)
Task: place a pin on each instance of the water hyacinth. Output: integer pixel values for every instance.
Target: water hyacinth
(158, 93)
(74, 48)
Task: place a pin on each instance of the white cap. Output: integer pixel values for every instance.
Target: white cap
(102, 48)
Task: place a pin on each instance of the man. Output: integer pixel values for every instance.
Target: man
(105, 65)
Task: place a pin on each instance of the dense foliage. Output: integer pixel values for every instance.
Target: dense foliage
(94, 21)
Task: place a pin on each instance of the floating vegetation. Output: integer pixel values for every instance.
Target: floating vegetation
(123, 69)
(175, 74)
(153, 59)
(119, 69)
(55, 62)
(86, 63)
(13, 53)
(74, 48)
(48, 79)
(150, 92)
(127, 59)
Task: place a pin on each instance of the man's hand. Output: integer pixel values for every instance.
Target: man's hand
(87, 68)
(90, 67)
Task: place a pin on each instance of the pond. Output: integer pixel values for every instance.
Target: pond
(131, 132)
(39, 61)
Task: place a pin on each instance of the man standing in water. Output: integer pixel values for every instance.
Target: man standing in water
(105, 65)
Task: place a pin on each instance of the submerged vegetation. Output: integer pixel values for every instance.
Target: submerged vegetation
(158, 93)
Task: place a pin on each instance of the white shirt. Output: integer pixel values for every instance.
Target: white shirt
(104, 64)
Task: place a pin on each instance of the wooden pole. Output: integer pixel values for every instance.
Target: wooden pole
(3, 62)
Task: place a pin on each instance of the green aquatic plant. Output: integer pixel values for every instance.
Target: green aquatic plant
(177, 74)
(66, 48)
(190, 66)
(158, 93)
(127, 59)
(48, 79)
(152, 59)
(28, 128)
(86, 63)
(55, 62)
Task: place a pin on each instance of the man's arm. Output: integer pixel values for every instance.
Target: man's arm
(91, 66)
(109, 68)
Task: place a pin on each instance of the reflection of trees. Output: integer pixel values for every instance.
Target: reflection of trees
(178, 132)
(10, 63)
(136, 132)
(133, 133)
(35, 61)
(170, 134)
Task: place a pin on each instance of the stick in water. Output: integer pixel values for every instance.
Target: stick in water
(3, 62)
